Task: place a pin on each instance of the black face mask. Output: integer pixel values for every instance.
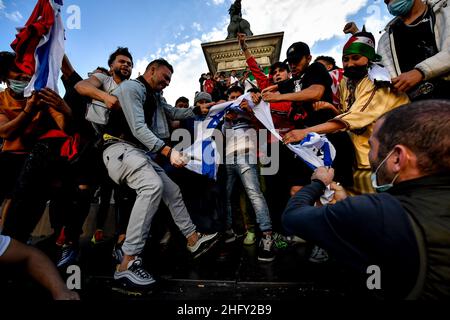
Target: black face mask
(356, 73)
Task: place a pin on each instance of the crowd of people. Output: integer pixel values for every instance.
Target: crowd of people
(386, 112)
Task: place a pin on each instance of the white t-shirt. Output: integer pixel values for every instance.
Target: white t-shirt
(108, 83)
(233, 80)
(248, 85)
(4, 244)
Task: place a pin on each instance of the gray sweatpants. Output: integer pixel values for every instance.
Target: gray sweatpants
(129, 165)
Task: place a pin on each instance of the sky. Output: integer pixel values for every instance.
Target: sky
(175, 29)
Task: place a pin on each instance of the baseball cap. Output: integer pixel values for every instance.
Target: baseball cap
(296, 51)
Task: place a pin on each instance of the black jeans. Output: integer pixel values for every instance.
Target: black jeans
(10, 166)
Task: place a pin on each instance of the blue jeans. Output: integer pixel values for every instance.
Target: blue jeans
(248, 174)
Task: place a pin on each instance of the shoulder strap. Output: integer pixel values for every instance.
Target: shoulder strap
(150, 101)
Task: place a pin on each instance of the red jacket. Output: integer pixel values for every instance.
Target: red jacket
(39, 24)
(280, 110)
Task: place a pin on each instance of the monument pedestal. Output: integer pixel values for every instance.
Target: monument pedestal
(226, 55)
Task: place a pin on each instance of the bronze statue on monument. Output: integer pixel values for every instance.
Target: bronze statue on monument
(237, 23)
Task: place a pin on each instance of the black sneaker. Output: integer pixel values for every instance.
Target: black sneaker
(68, 255)
(266, 249)
(135, 277)
(229, 236)
(203, 244)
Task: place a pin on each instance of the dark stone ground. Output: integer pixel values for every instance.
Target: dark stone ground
(226, 272)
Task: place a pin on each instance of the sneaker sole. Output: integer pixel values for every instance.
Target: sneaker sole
(230, 240)
(206, 249)
(127, 292)
(266, 259)
(125, 277)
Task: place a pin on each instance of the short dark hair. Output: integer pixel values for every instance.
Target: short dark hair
(158, 63)
(327, 59)
(120, 51)
(423, 127)
(182, 99)
(102, 69)
(235, 88)
(6, 64)
(280, 65)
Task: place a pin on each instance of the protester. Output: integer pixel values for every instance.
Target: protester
(131, 134)
(362, 103)
(416, 48)
(404, 230)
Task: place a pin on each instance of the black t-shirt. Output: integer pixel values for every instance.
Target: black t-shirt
(414, 43)
(303, 114)
(78, 104)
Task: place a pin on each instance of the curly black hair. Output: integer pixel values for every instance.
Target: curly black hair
(6, 64)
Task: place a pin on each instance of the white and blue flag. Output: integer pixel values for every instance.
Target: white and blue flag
(315, 150)
(202, 154)
(49, 55)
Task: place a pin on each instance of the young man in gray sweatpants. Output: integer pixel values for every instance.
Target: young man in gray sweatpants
(140, 125)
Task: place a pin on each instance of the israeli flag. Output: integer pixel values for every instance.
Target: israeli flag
(202, 154)
(315, 150)
(49, 55)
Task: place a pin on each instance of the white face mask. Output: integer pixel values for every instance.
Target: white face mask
(17, 86)
(373, 177)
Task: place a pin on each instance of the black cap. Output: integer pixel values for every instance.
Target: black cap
(297, 51)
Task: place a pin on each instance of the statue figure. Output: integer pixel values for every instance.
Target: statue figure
(237, 24)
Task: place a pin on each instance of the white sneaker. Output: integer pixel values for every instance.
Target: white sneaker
(135, 275)
(203, 244)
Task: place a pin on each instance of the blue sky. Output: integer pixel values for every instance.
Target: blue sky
(174, 29)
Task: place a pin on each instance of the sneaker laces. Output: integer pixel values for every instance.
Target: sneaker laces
(136, 268)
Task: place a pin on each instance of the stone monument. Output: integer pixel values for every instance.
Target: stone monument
(226, 55)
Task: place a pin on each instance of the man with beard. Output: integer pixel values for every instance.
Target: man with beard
(404, 231)
(309, 84)
(362, 103)
(100, 86)
(135, 130)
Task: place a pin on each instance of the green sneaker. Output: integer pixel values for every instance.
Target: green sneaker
(279, 241)
(250, 238)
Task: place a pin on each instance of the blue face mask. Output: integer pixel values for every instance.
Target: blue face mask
(373, 177)
(400, 8)
(17, 86)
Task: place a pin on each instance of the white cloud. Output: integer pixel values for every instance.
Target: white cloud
(14, 16)
(218, 2)
(308, 20)
(376, 21)
(197, 26)
(2, 5)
